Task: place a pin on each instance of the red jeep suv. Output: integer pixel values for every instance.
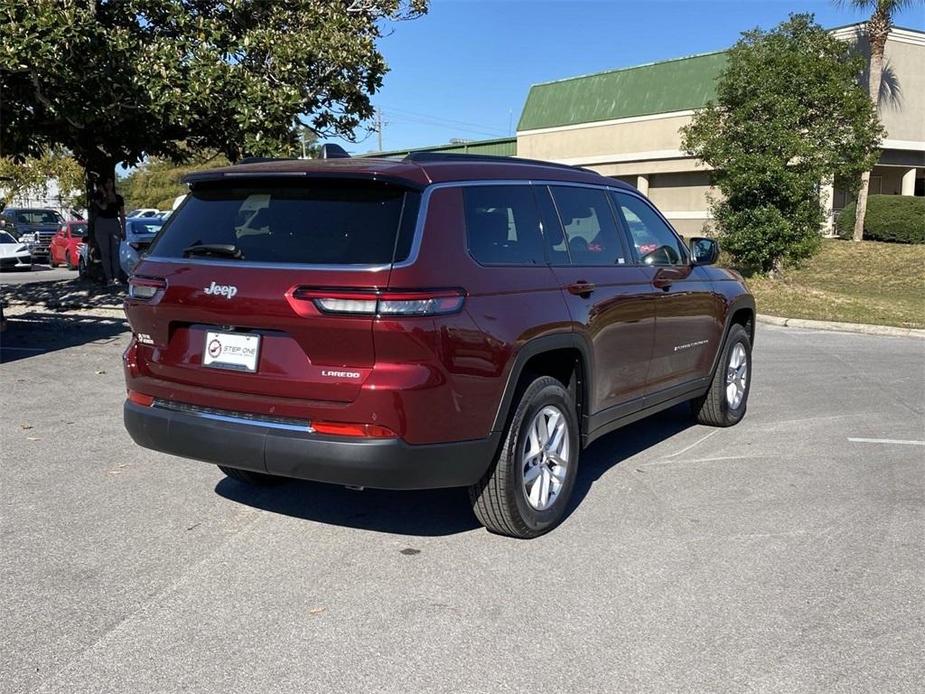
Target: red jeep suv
(438, 321)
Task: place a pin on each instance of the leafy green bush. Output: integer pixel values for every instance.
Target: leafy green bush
(759, 237)
(895, 218)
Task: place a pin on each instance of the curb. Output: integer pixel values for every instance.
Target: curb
(834, 326)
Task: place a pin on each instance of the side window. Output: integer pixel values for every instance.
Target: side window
(655, 242)
(503, 225)
(590, 229)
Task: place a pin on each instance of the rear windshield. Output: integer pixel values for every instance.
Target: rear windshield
(305, 222)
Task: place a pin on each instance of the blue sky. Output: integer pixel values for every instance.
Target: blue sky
(464, 69)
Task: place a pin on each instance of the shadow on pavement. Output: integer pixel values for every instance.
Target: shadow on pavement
(611, 450)
(59, 295)
(34, 333)
(443, 511)
(424, 513)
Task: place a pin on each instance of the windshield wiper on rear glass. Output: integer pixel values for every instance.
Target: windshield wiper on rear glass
(221, 250)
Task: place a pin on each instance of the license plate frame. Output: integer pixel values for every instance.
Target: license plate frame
(232, 351)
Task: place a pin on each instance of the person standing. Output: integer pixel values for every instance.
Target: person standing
(110, 227)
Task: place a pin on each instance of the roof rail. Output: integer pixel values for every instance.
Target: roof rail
(260, 160)
(424, 157)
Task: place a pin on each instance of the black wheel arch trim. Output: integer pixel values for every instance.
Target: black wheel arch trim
(536, 347)
(743, 301)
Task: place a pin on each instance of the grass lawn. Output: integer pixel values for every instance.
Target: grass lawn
(867, 282)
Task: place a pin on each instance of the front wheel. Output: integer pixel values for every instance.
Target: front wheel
(526, 490)
(70, 261)
(257, 479)
(724, 403)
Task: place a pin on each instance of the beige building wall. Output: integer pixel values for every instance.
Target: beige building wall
(646, 151)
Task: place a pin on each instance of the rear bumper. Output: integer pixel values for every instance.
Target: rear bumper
(378, 463)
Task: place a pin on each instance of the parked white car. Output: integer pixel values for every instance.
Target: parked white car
(13, 253)
(143, 212)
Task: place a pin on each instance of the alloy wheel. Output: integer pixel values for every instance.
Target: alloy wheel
(736, 376)
(545, 457)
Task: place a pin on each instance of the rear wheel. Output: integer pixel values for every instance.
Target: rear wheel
(527, 488)
(51, 260)
(259, 479)
(724, 403)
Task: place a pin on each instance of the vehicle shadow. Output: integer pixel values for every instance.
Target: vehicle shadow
(34, 333)
(614, 448)
(61, 295)
(428, 513)
(442, 511)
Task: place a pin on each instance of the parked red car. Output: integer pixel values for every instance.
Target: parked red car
(64, 248)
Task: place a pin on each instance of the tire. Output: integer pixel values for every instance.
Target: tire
(81, 267)
(500, 499)
(51, 261)
(257, 479)
(69, 261)
(717, 407)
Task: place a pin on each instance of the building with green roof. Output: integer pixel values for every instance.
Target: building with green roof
(625, 123)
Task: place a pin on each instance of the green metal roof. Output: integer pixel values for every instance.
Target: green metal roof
(672, 85)
(504, 146)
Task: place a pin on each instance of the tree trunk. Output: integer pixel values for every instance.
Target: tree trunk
(877, 33)
(96, 170)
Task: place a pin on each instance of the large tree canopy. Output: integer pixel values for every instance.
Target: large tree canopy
(789, 115)
(118, 80)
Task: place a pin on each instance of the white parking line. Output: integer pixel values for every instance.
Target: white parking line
(901, 442)
(696, 443)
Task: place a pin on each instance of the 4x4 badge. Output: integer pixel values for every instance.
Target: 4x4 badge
(225, 290)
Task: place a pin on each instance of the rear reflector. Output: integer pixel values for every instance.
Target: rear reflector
(369, 431)
(140, 398)
(386, 303)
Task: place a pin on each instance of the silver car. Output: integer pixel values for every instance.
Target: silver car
(139, 232)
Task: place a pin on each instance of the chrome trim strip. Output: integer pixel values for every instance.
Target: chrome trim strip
(231, 419)
(606, 184)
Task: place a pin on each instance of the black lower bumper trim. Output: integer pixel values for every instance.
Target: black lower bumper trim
(377, 463)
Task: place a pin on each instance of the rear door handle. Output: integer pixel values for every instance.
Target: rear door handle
(663, 282)
(581, 288)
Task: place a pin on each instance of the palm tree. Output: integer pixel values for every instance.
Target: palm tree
(877, 30)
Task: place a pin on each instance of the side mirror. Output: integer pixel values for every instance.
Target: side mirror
(85, 238)
(704, 251)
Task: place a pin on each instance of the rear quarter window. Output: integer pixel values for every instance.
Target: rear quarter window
(311, 223)
(503, 225)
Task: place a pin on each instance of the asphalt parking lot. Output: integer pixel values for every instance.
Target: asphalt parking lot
(786, 554)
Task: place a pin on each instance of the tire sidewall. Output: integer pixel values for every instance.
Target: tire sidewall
(531, 404)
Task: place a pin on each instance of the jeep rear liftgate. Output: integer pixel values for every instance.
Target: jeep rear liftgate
(264, 288)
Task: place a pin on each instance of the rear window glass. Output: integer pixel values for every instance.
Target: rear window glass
(313, 223)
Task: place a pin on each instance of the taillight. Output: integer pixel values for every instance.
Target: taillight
(144, 288)
(385, 303)
(140, 398)
(369, 431)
